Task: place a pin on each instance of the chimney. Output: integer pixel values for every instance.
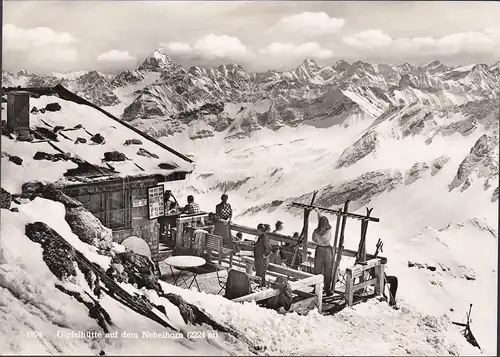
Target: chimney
(18, 114)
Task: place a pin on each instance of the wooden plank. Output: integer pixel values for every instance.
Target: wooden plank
(379, 273)
(267, 293)
(303, 294)
(318, 287)
(254, 232)
(280, 269)
(336, 212)
(364, 284)
(302, 306)
(335, 249)
(359, 269)
(349, 288)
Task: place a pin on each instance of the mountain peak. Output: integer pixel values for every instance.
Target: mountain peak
(341, 66)
(156, 62)
(309, 65)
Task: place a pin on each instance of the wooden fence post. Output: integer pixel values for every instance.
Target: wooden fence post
(178, 237)
(349, 287)
(380, 274)
(248, 268)
(318, 289)
(307, 211)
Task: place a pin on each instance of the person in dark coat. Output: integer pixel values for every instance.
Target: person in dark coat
(223, 215)
(261, 251)
(323, 257)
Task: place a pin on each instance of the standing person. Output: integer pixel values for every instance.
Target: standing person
(261, 251)
(323, 257)
(223, 215)
(191, 207)
(171, 204)
(276, 256)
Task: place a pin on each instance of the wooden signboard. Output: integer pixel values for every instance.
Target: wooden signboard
(139, 202)
(156, 204)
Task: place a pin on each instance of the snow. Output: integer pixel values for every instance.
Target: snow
(37, 318)
(292, 161)
(94, 122)
(137, 245)
(185, 261)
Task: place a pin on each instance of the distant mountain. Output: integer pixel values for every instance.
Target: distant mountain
(162, 97)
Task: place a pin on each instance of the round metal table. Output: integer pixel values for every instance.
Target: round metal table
(185, 263)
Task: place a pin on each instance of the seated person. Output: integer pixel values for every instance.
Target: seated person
(191, 207)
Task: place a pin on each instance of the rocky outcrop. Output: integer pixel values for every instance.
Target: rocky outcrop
(88, 228)
(482, 161)
(5, 198)
(361, 148)
(139, 268)
(57, 256)
(360, 190)
(494, 197)
(82, 223)
(438, 164)
(416, 172)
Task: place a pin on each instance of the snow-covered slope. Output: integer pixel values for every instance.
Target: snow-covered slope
(429, 173)
(32, 304)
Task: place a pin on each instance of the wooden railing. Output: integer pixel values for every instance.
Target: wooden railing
(304, 280)
(358, 272)
(290, 240)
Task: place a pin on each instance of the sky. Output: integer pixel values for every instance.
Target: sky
(111, 36)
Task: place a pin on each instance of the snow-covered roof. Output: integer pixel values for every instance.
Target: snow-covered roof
(88, 121)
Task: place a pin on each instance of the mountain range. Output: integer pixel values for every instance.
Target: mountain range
(163, 98)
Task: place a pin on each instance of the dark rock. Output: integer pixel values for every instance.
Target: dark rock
(114, 156)
(5, 198)
(97, 138)
(40, 155)
(28, 138)
(140, 269)
(16, 160)
(34, 110)
(144, 152)
(166, 166)
(29, 189)
(53, 107)
(14, 209)
(276, 203)
(96, 311)
(58, 128)
(133, 142)
(44, 133)
(56, 254)
(185, 309)
(430, 267)
(494, 197)
(80, 140)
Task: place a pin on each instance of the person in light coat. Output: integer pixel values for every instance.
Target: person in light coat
(323, 256)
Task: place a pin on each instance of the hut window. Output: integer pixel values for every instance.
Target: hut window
(117, 210)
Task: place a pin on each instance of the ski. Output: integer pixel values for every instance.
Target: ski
(340, 246)
(361, 255)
